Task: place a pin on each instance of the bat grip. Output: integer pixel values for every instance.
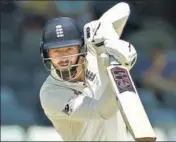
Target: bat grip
(113, 61)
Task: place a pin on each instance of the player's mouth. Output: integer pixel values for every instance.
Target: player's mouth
(66, 64)
(63, 65)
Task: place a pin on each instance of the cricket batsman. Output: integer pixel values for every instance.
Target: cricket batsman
(77, 96)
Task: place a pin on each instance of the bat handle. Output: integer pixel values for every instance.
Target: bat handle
(113, 61)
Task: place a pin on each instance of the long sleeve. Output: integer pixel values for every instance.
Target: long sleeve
(56, 103)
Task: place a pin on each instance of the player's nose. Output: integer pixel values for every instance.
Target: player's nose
(63, 60)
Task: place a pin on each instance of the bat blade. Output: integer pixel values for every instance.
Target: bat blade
(130, 104)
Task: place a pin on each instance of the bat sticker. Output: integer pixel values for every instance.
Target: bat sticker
(122, 80)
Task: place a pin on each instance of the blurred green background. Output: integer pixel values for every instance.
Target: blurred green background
(151, 28)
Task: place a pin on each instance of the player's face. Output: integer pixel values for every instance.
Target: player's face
(61, 58)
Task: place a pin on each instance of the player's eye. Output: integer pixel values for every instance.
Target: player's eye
(70, 49)
(55, 51)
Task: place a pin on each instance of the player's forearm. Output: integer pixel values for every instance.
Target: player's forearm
(91, 108)
(107, 105)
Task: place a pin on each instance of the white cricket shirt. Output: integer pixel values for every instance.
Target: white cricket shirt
(97, 117)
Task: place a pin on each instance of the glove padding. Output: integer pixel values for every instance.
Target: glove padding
(102, 38)
(95, 33)
(122, 51)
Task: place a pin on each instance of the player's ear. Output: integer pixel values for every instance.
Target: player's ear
(43, 53)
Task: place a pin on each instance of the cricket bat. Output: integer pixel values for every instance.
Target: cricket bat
(130, 105)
